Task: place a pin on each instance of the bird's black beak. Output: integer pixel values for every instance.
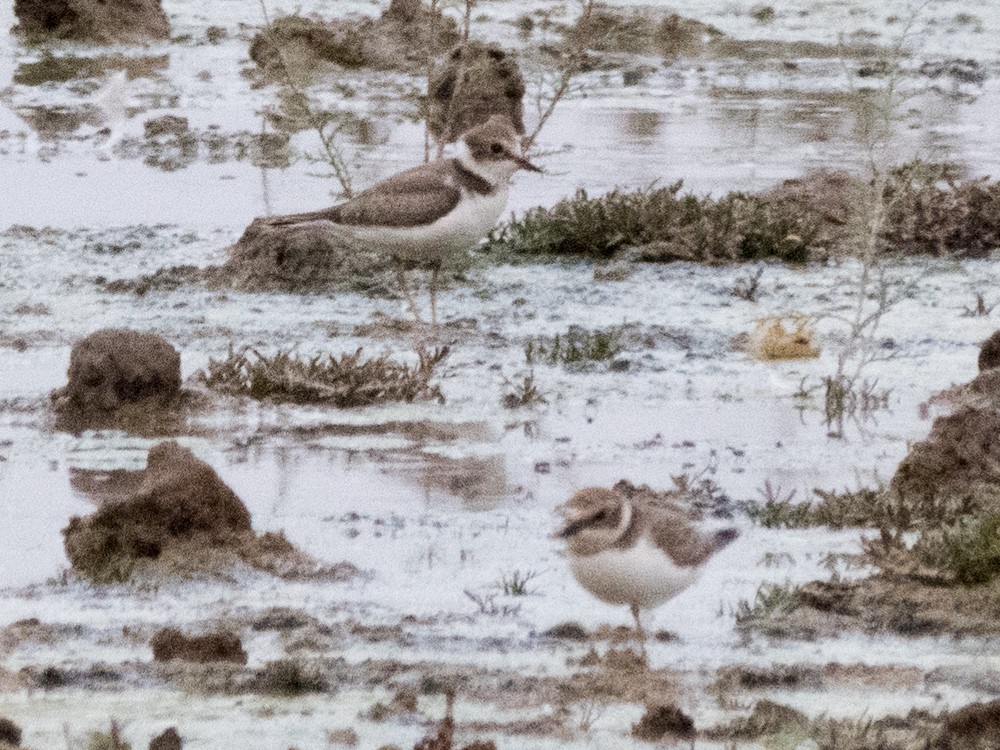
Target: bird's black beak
(569, 529)
(525, 164)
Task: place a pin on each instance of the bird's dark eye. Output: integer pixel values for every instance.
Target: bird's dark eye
(496, 148)
(601, 516)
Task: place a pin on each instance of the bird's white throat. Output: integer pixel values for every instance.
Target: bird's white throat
(497, 173)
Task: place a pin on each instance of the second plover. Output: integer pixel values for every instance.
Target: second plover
(632, 551)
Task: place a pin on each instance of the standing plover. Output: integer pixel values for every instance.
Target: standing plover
(421, 216)
(632, 551)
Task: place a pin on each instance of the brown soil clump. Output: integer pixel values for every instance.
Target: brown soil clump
(184, 518)
(956, 470)
(102, 21)
(298, 46)
(989, 353)
(168, 740)
(114, 367)
(663, 721)
(298, 257)
(476, 82)
(10, 733)
(171, 643)
(975, 726)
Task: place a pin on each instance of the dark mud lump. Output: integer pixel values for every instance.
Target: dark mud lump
(181, 499)
(117, 366)
(104, 21)
(171, 643)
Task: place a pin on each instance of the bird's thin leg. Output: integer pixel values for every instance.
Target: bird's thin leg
(639, 630)
(406, 291)
(434, 279)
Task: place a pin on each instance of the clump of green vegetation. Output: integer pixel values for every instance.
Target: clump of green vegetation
(763, 13)
(607, 29)
(345, 381)
(287, 677)
(932, 211)
(110, 741)
(772, 603)
(523, 394)
(665, 226)
(966, 552)
(61, 68)
(576, 346)
(851, 397)
(767, 718)
(836, 510)
(929, 210)
(516, 582)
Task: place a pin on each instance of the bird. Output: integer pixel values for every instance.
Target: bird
(633, 551)
(423, 215)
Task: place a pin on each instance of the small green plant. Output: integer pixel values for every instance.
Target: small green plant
(835, 510)
(110, 741)
(576, 346)
(523, 394)
(748, 287)
(967, 552)
(345, 381)
(287, 677)
(487, 604)
(845, 396)
(516, 582)
(763, 14)
(772, 602)
(980, 310)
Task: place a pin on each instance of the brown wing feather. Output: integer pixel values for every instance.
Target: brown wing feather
(412, 198)
(674, 534)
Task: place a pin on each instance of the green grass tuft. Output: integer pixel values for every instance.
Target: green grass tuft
(666, 226)
(576, 346)
(344, 381)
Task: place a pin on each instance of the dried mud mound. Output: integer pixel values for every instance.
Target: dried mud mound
(398, 40)
(103, 21)
(297, 257)
(10, 733)
(183, 520)
(114, 367)
(976, 726)
(989, 353)
(171, 643)
(168, 740)
(958, 463)
(476, 82)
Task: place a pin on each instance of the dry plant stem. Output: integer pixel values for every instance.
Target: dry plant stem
(333, 155)
(432, 16)
(875, 290)
(411, 303)
(640, 631)
(571, 66)
(467, 19)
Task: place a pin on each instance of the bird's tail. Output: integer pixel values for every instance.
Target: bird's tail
(724, 537)
(326, 214)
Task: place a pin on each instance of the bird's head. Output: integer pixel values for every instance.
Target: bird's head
(595, 518)
(494, 149)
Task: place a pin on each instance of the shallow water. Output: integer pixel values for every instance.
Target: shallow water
(435, 500)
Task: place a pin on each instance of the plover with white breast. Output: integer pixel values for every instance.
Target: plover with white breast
(423, 215)
(632, 551)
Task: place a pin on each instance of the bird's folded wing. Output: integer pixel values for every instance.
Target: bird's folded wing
(682, 543)
(413, 198)
(399, 202)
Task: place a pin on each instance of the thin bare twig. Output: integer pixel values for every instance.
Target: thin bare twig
(333, 155)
